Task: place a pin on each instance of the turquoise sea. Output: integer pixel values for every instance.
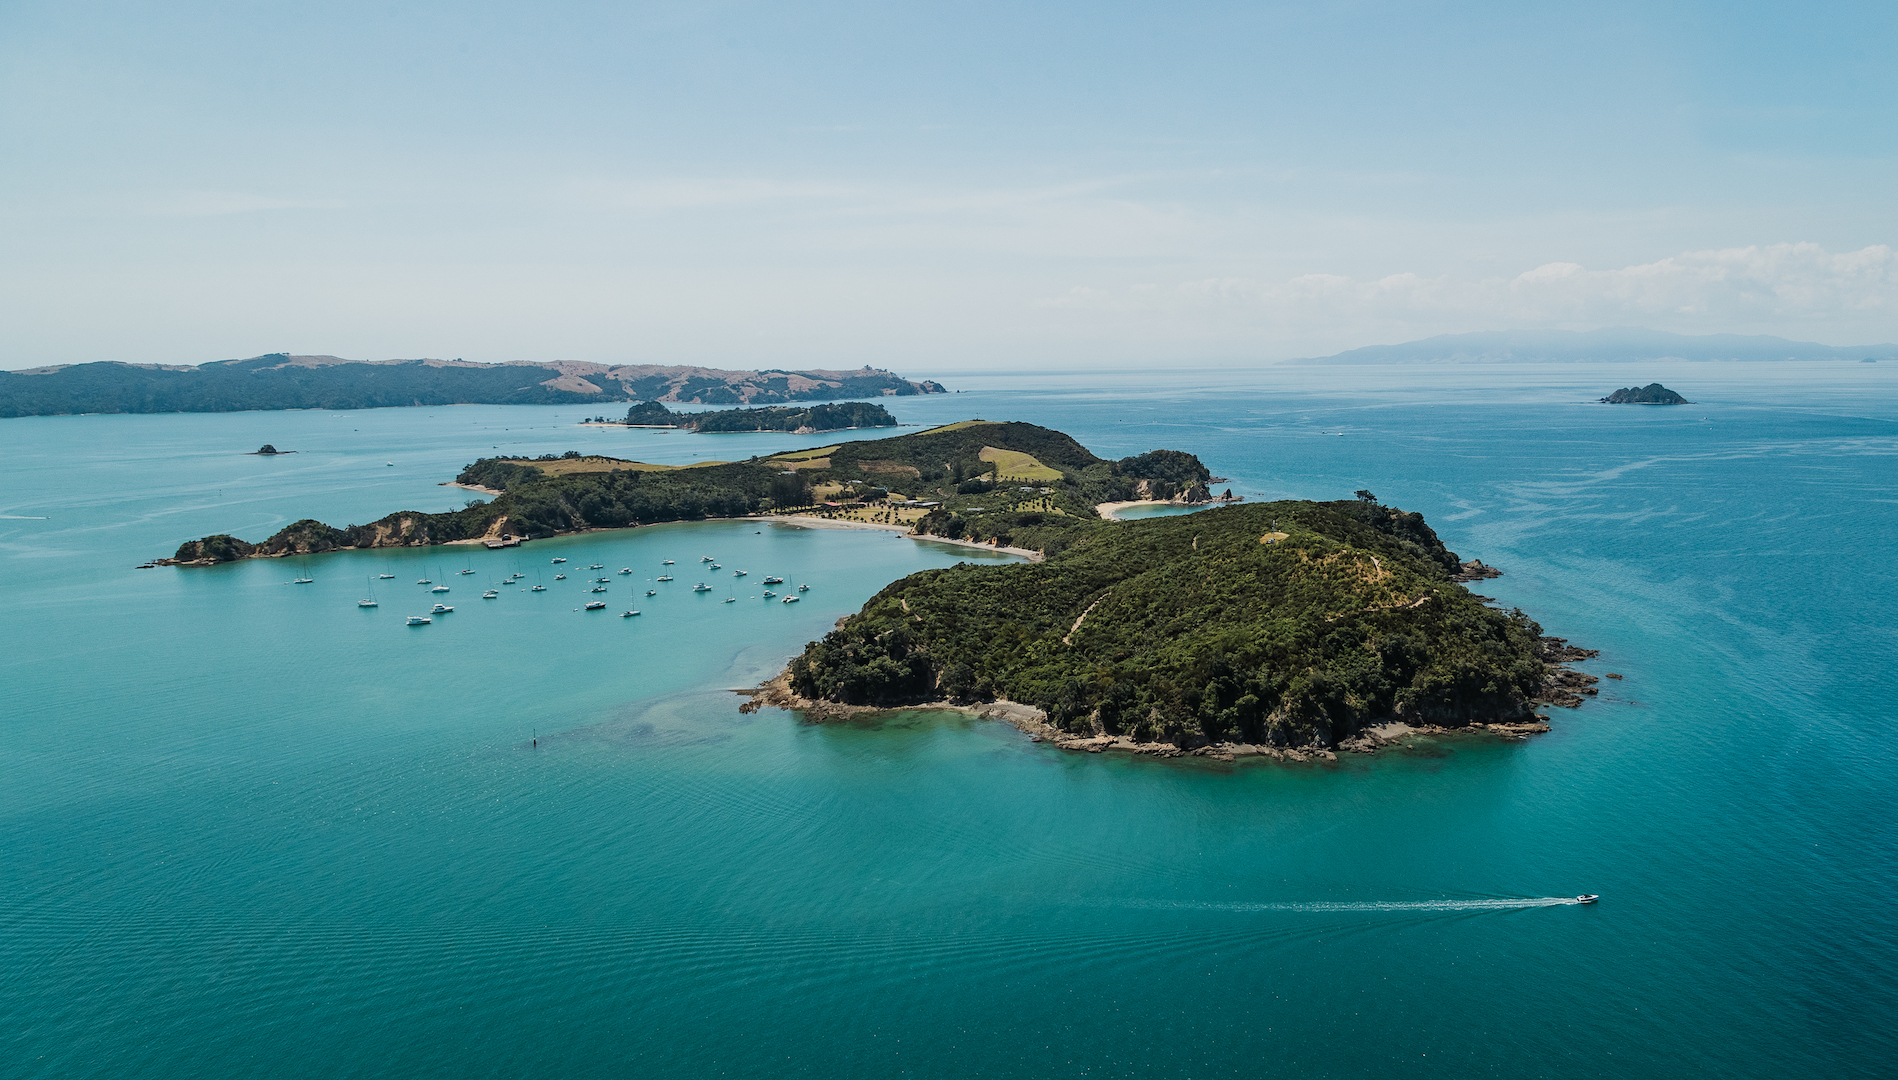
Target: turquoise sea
(250, 829)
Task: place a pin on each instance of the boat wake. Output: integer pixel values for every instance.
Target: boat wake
(1334, 906)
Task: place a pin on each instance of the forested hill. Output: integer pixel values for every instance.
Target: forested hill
(1290, 623)
(282, 381)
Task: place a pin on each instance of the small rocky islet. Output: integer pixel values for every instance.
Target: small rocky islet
(1651, 394)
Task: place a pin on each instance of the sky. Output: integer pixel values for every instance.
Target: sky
(933, 187)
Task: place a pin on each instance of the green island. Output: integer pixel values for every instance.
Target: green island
(1286, 628)
(1651, 394)
(802, 420)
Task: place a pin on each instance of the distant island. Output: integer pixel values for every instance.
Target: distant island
(268, 450)
(1617, 344)
(800, 420)
(283, 381)
(1287, 628)
(1651, 394)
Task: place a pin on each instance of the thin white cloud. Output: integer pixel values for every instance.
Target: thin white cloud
(1716, 290)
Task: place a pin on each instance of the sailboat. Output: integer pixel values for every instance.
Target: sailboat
(491, 594)
(370, 600)
(304, 578)
(629, 613)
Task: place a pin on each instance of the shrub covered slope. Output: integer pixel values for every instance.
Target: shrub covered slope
(1191, 629)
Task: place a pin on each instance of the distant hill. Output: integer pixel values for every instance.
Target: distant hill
(1610, 345)
(803, 420)
(283, 381)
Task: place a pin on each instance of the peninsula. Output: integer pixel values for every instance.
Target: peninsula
(284, 381)
(1289, 627)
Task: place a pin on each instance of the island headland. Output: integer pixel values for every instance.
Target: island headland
(1289, 629)
(1651, 394)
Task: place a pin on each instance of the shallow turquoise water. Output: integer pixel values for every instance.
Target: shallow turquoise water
(252, 828)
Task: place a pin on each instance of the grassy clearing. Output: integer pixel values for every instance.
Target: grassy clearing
(805, 455)
(958, 426)
(1015, 465)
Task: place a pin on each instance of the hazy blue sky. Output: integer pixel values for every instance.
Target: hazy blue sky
(933, 186)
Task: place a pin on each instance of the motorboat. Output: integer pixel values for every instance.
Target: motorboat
(1587, 898)
(774, 581)
(625, 569)
(768, 594)
(652, 592)
(385, 577)
(597, 588)
(596, 605)
(490, 595)
(560, 577)
(538, 588)
(738, 573)
(715, 566)
(440, 609)
(596, 566)
(705, 558)
(419, 620)
(701, 587)
(803, 588)
(668, 562)
(602, 580)
(560, 560)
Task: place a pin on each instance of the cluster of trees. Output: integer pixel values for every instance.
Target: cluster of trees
(1190, 629)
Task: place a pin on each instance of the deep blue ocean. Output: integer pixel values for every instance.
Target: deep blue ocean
(250, 829)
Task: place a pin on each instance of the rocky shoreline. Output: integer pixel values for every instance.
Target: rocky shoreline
(1033, 722)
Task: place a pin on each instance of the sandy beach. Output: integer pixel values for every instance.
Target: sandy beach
(834, 523)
